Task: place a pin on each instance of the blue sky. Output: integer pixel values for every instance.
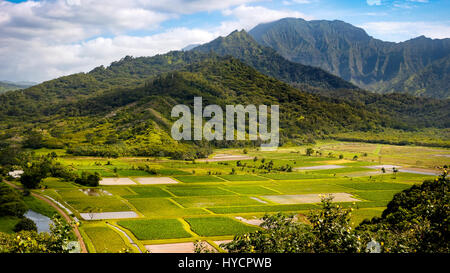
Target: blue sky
(41, 40)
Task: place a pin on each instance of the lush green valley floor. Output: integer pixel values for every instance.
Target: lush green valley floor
(210, 204)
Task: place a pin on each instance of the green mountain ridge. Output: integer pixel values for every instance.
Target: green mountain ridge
(6, 86)
(124, 109)
(242, 46)
(348, 52)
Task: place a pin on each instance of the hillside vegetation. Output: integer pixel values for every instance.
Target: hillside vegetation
(418, 66)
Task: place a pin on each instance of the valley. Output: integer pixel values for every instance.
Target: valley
(181, 202)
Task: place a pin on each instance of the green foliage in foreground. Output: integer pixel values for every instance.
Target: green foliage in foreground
(25, 224)
(32, 242)
(11, 203)
(416, 220)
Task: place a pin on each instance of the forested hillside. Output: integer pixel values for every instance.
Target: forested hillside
(124, 109)
(418, 66)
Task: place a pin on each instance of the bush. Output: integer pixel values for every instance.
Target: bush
(416, 220)
(89, 179)
(11, 203)
(25, 224)
(32, 242)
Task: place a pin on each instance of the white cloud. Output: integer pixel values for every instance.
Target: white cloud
(247, 17)
(40, 40)
(373, 2)
(302, 1)
(401, 31)
(190, 6)
(40, 61)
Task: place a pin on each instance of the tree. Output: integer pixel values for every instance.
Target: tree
(11, 203)
(329, 231)
(416, 220)
(89, 179)
(309, 151)
(25, 224)
(33, 175)
(34, 140)
(32, 242)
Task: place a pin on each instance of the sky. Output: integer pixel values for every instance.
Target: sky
(42, 40)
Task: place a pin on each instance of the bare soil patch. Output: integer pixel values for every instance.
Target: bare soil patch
(175, 248)
(419, 171)
(116, 181)
(257, 199)
(255, 222)
(379, 167)
(222, 242)
(225, 157)
(155, 180)
(109, 215)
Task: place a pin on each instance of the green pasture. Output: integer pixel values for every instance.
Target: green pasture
(198, 179)
(105, 239)
(163, 207)
(215, 226)
(208, 196)
(155, 229)
(7, 223)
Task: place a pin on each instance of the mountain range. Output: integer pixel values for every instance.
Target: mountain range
(8, 85)
(124, 109)
(419, 66)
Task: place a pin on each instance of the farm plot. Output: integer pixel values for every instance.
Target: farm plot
(155, 180)
(307, 187)
(320, 167)
(146, 192)
(342, 170)
(367, 186)
(84, 203)
(198, 191)
(108, 215)
(105, 239)
(176, 248)
(295, 176)
(198, 178)
(216, 226)
(379, 195)
(163, 207)
(309, 198)
(251, 189)
(211, 201)
(156, 229)
(116, 181)
(263, 208)
(244, 177)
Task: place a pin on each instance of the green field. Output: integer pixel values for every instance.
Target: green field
(105, 239)
(155, 229)
(205, 207)
(215, 226)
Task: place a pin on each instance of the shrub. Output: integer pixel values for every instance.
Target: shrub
(32, 242)
(25, 224)
(11, 203)
(89, 179)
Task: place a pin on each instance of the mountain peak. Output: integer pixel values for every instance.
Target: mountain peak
(349, 52)
(242, 46)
